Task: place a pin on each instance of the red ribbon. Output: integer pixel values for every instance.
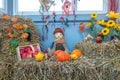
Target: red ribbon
(113, 5)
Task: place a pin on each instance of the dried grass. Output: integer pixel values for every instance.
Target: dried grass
(103, 50)
(5, 49)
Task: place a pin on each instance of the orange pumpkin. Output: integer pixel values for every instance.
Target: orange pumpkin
(77, 52)
(62, 56)
(25, 35)
(13, 19)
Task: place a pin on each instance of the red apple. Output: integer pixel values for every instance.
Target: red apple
(24, 55)
(35, 51)
(99, 39)
(21, 51)
(28, 55)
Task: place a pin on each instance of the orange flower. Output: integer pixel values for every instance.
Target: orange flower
(17, 26)
(13, 19)
(5, 16)
(9, 29)
(10, 35)
(25, 35)
(20, 31)
(25, 25)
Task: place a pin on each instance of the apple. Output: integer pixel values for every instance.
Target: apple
(35, 51)
(99, 39)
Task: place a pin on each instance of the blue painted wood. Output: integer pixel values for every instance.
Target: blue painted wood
(72, 33)
(10, 7)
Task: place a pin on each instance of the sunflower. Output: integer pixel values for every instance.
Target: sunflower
(117, 26)
(94, 15)
(119, 17)
(113, 15)
(110, 23)
(101, 22)
(89, 25)
(105, 31)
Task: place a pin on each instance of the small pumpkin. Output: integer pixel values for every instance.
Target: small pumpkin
(40, 56)
(62, 56)
(13, 19)
(25, 35)
(75, 54)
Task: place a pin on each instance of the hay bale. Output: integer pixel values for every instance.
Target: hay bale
(8, 60)
(105, 56)
(94, 50)
(29, 69)
(5, 49)
(6, 67)
(108, 69)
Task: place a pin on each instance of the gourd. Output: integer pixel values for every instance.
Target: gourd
(40, 56)
(75, 54)
(62, 56)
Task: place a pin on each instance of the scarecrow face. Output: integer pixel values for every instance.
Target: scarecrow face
(58, 35)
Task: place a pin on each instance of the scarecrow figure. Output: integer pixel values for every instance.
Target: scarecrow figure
(59, 41)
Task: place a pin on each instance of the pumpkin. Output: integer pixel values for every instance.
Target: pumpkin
(75, 54)
(62, 56)
(40, 56)
(13, 19)
(25, 35)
